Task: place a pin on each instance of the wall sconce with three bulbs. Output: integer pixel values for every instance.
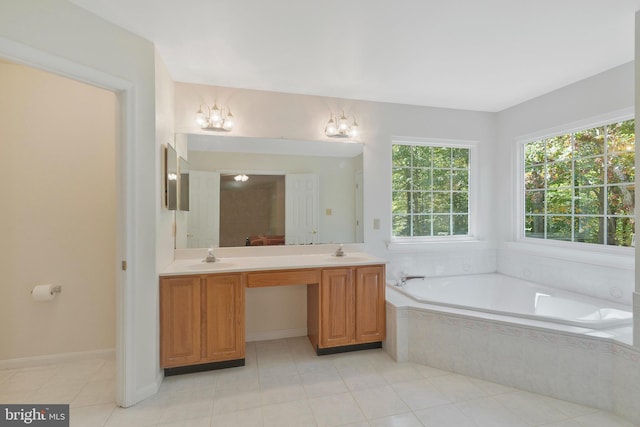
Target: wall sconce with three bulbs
(340, 128)
(211, 118)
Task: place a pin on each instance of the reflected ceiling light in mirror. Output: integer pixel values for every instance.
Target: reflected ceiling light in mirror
(339, 127)
(212, 118)
(241, 178)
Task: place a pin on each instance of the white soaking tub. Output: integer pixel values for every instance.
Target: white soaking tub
(500, 294)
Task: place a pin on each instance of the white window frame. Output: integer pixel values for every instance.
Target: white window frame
(398, 243)
(578, 251)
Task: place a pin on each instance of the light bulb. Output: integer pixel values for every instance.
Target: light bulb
(330, 129)
(200, 118)
(354, 131)
(216, 114)
(229, 122)
(342, 124)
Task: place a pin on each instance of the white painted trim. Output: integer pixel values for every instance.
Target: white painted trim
(591, 122)
(395, 243)
(125, 292)
(276, 334)
(248, 172)
(605, 255)
(54, 359)
(207, 141)
(150, 389)
(453, 243)
(125, 320)
(434, 142)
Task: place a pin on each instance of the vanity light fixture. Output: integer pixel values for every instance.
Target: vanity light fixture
(340, 128)
(211, 118)
(241, 178)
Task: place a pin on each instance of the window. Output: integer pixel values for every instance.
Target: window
(430, 190)
(579, 187)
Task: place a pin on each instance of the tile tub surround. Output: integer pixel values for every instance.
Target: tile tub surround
(565, 364)
(605, 281)
(285, 384)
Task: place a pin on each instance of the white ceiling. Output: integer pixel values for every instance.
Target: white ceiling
(468, 54)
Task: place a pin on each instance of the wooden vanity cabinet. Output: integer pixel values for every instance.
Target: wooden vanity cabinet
(180, 325)
(370, 302)
(350, 308)
(202, 316)
(337, 308)
(224, 317)
(201, 319)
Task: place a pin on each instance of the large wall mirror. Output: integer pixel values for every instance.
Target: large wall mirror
(259, 192)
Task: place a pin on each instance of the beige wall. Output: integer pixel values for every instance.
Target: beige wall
(276, 312)
(58, 221)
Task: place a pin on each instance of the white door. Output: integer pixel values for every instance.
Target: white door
(302, 194)
(359, 197)
(204, 210)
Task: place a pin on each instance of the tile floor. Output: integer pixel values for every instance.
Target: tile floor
(285, 384)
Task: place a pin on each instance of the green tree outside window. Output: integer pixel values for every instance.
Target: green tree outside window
(580, 187)
(430, 190)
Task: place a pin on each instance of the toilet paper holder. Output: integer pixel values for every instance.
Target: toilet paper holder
(54, 290)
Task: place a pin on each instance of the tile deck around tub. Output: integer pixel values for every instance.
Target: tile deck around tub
(285, 384)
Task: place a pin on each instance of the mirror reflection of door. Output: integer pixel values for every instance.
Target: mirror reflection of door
(359, 200)
(303, 193)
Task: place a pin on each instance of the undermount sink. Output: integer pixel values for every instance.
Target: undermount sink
(209, 265)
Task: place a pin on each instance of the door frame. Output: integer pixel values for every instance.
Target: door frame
(125, 196)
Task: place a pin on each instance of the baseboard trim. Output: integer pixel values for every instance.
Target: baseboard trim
(52, 359)
(346, 348)
(150, 389)
(276, 335)
(203, 367)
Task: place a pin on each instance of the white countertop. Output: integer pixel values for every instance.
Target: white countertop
(268, 262)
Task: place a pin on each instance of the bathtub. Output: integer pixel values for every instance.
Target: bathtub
(505, 295)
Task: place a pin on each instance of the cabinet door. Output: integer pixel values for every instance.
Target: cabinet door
(370, 304)
(179, 321)
(224, 317)
(337, 308)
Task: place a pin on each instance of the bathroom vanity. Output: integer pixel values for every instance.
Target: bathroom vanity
(202, 305)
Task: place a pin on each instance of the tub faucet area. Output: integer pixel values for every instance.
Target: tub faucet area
(404, 278)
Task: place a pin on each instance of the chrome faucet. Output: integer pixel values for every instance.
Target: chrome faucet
(404, 278)
(210, 257)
